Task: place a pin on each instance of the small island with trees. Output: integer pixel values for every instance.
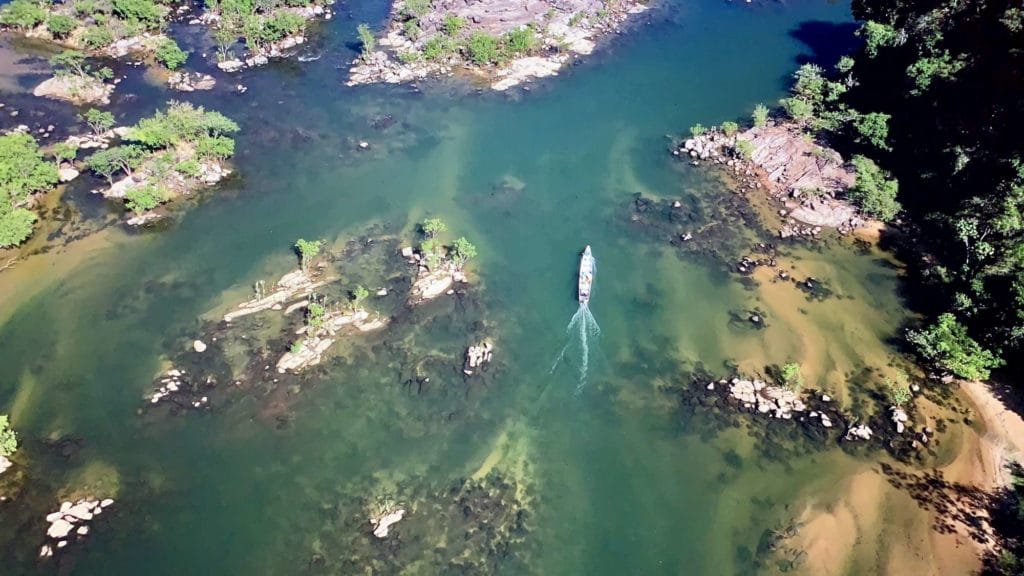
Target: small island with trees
(505, 43)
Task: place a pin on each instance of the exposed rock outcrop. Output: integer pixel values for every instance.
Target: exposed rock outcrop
(75, 89)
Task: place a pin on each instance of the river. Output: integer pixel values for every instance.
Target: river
(613, 477)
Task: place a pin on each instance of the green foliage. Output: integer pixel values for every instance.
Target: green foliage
(69, 62)
(65, 151)
(116, 159)
(215, 147)
(462, 252)
(520, 41)
(482, 48)
(182, 123)
(283, 24)
(146, 13)
(947, 344)
(941, 66)
(23, 14)
(760, 115)
(453, 24)
(898, 389)
(730, 128)
(791, 377)
(874, 191)
(190, 168)
(60, 25)
(845, 65)
(873, 128)
(577, 19)
(170, 54)
(877, 35)
(797, 108)
(744, 149)
(308, 250)
(416, 8)
(15, 225)
(697, 130)
(433, 226)
(22, 170)
(96, 37)
(366, 38)
(358, 295)
(224, 37)
(439, 47)
(297, 346)
(8, 439)
(411, 29)
(99, 121)
(315, 314)
(143, 198)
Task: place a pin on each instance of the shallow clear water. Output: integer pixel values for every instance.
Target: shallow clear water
(615, 484)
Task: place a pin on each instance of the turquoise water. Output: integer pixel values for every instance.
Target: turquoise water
(271, 478)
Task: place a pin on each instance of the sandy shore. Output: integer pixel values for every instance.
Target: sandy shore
(1004, 431)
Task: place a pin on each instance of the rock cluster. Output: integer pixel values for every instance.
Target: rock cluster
(899, 418)
(191, 81)
(774, 400)
(173, 385)
(382, 524)
(477, 356)
(71, 520)
(859, 432)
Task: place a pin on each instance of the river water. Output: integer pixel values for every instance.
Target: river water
(613, 477)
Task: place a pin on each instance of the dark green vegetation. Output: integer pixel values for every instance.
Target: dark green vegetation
(256, 23)
(88, 24)
(455, 39)
(946, 79)
(23, 172)
(176, 142)
(170, 54)
(73, 63)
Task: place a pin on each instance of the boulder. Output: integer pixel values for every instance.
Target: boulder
(199, 346)
(59, 529)
(67, 174)
(75, 89)
(383, 524)
(4, 464)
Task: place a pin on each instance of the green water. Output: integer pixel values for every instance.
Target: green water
(615, 484)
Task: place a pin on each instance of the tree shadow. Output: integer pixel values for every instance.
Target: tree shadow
(828, 41)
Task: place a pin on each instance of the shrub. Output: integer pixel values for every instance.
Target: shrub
(22, 169)
(760, 115)
(8, 439)
(366, 38)
(99, 121)
(433, 226)
(898, 390)
(15, 225)
(874, 191)
(170, 54)
(190, 168)
(947, 344)
(730, 128)
(411, 28)
(520, 41)
(116, 159)
(96, 37)
(744, 149)
(22, 14)
(438, 47)
(60, 25)
(283, 24)
(482, 47)
(462, 252)
(791, 377)
(182, 122)
(64, 151)
(877, 35)
(357, 296)
(797, 108)
(144, 198)
(697, 130)
(215, 147)
(315, 313)
(416, 8)
(453, 24)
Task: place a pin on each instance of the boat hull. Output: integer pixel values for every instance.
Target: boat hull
(586, 276)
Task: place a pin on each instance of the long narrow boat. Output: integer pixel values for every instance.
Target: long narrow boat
(586, 281)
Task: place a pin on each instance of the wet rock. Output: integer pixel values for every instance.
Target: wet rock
(191, 81)
(74, 89)
(67, 173)
(859, 432)
(199, 346)
(383, 524)
(60, 528)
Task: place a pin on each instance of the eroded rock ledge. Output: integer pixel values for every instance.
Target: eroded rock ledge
(502, 42)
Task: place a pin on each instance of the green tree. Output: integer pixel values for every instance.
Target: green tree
(215, 147)
(462, 251)
(877, 35)
(797, 108)
(874, 191)
(22, 169)
(8, 439)
(143, 12)
(366, 38)
(99, 121)
(22, 14)
(947, 344)
(225, 38)
(170, 54)
(760, 115)
(69, 62)
(308, 250)
(15, 225)
(116, 159)
(65, 151)
(697, 130)
(730, 128)
(315, 315)
(60, 25)
(432, 253)
(146, 197)
(744, 149)
(873, 128)
(358, 295)
(792, 379)
(433, 226)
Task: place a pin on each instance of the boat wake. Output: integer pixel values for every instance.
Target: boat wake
(581, 332)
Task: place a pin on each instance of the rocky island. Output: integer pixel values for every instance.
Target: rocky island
(500, 42)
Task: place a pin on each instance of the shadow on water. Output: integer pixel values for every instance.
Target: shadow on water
(828, 41)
